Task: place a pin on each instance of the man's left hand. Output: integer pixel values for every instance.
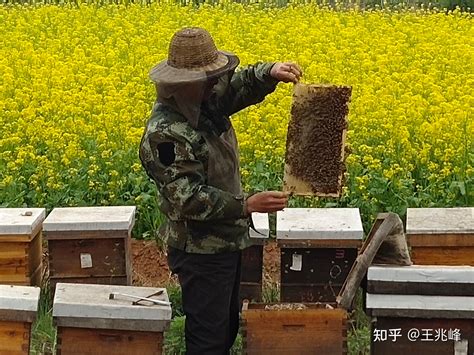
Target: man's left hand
(286, 72)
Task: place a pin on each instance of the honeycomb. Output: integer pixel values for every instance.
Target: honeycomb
(314, 160)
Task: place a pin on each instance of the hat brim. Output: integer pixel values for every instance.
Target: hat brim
(165, 73)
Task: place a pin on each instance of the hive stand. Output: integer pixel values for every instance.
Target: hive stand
(318, 248)
(18, 307)
(20, 246)
(252, 260)
(434, 300)
(90, 244)
(441, 236)
(90, 323)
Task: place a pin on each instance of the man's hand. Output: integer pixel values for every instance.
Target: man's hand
(286, 72)
(266, 202)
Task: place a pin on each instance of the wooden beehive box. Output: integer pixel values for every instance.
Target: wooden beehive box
(20, 246)
(318, 247)
(431, 308)
(18, 307)
(441, 236)
(280, 329)
(90, 244)
(252, 260)
(89, 322)
(315, 146)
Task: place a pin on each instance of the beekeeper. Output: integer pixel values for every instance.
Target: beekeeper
(190, 150)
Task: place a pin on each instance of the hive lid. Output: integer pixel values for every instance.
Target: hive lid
(421, 280)
(90, 219)
(19, 303)
(440, 220)
(421, 273)
(23, 221)
(418, 306)
(260, 222)
(90, 306)
(319, 223)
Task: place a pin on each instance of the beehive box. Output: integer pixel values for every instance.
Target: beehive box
(441, 236)
(89, 322)
(315, 146)
(20, 245)
(282, 329)
(18, 307)
(318, 248)
(90, 244)
(252, 260)
(421, 309)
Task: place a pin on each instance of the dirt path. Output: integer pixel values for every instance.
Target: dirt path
(150, 267)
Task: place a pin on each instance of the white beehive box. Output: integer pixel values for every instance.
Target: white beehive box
(318, 249)
(89, 320)
(90, 244)
(18, 308)
(441, 236)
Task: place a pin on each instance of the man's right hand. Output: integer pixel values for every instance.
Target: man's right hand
(266, 202)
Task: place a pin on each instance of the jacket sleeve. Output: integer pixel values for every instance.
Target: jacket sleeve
(249, 86)
(182, 185)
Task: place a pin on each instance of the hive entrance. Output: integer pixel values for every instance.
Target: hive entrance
(314, 161)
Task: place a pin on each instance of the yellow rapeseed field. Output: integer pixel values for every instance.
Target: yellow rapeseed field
(74, 97)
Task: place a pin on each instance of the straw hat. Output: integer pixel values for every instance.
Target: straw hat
(192, 56)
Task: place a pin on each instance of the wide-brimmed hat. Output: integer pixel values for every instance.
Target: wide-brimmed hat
(192, 56)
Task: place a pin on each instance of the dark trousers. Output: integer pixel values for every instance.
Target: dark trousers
(210, 289)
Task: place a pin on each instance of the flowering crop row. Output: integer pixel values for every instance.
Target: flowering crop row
(74, 97)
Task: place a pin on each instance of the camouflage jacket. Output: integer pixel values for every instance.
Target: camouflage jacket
(197, 170)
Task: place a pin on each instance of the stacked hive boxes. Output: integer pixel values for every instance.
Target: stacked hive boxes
(421, 309)
(427, 308)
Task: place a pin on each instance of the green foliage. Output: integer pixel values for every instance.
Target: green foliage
(43, 334)
(174, 337)
(174, 294)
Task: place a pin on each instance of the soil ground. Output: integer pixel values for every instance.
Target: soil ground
(150, 267)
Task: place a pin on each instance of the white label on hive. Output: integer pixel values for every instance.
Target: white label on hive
(297, 263)
(86, 260)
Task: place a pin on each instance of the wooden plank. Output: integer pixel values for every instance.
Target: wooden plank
(108, 257)
(14, 338)
(441, 240)
(83, 341)
(384, 226)
(320, 243)
(403, 346)
(309, 331)
(107, 234)
(454, 256)
(314, 159)
(421, 288)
